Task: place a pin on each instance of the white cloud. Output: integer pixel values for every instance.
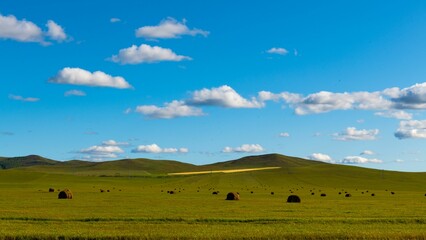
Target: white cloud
(411, 129)
(320, 157)
(413, 97)
(280, 51)
(399, 161)
(360, 160)
(19, 30)
(170, 110)
(352, 133)
(115, 20)
(168, 28)
(284, 96)
(328, 101)
(74, 93)
(154, 148)
(146, 54)
(55, 32)
(284, 134)
(367, 152)
(27, 31)
(246, 148)
(397, 114)
(223, 96)
(23, 99)
(78, 76)
(101, 152)
(114, 143)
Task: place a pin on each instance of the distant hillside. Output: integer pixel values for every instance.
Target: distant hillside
(25, 161)
(267, 160)
(143, 166)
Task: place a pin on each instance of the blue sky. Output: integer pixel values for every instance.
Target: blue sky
(207, 81)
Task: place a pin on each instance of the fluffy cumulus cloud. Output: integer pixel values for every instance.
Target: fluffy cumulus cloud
(397, 114)
(154, 148)
(280, 51)
(78, 76)
(27, 31)
(114, 143)
(77, 93)
(55, 32)
(101, 152)
(170, 110)
(168, 28)
(367, 152)
(328, 101)
(146, 54)
(245, 148)
(108, 149)
(411, 129)
(320, 157)
(390, 102)
(223, 96)
(23, 99)
(352, 133)
(413, 97)
(360, 160)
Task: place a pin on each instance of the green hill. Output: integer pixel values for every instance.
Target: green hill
(268, 160)
(25, 161)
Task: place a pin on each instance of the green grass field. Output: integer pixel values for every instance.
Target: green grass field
(138, 205)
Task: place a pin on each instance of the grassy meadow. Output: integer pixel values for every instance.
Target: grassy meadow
(138, 205)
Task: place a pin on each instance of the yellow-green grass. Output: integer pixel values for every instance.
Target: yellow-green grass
(143, 209)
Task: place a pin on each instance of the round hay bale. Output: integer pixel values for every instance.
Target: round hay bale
(233, 196)
(251, 192)
(392, 193)
(293, 199)
(51, 190)
(272, 193)
(171, 192)
(214, 193)
(323, 194)
(65, 194)
(340, 193)
(101, 190)
(373, 194)
(348, 195)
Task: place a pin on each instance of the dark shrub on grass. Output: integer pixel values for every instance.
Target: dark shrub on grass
(65, 194)
(51, 190)
(293, 199)
(233, 196)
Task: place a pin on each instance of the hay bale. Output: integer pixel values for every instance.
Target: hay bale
(272, 193)
(323, 194)
(251, 192)
(51, 190)
(312, 193)
(108, 190)
(171, 192)
(392, 193)
(233, 196)
(293, 199)
(101, 190)
(215, 193)
(65, 194)
(340, 193)
(373, 194)
(348, 195)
